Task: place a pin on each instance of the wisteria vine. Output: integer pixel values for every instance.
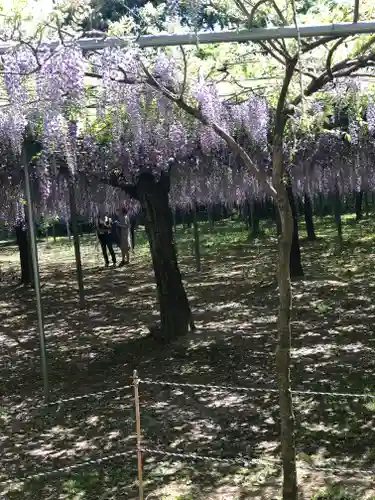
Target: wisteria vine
(135, 128)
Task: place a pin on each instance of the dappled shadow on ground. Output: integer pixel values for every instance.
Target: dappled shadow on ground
(234, 299)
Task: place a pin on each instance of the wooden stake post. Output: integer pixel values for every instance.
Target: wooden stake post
(138, 433)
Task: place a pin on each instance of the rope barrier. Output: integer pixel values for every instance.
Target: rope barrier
(254, 389)
(68, 468)
(59, 402)
(238, 460)
(257, 461)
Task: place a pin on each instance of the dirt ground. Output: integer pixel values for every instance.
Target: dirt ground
(234, 300)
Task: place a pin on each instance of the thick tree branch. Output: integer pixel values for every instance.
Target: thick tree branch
(318, 43)
(114, 181)
(331, 52)
(280, 109)
(183, 88)
(342, 69)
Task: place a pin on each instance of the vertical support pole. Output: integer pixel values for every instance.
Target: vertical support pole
(35, 265)
(77, 248)
(197, 250)
(138, 433)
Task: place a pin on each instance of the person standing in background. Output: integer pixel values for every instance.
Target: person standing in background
(104, 231)
(133, 224)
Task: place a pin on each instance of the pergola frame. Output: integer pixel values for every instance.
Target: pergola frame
(206, 37)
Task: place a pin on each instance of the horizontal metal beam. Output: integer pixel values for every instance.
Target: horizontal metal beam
(257, 34)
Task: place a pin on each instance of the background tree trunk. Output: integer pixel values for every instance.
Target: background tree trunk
(175, 314)
(296, 270)
(309, 221)
(254, 232)
(366, 203)
(358, 205)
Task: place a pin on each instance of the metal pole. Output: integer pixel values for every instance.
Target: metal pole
(34, 258)
(77, 247)
(257, 34)
(197, 250)
(138, 432)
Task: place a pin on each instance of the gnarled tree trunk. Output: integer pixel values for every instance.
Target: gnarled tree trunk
(175, 314)
(288, 448)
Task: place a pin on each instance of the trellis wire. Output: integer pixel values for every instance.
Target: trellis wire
(176, 454)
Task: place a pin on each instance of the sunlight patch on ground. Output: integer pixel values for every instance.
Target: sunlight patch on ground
(229, 401)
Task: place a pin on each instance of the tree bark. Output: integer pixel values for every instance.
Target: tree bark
(308, 213)
(358, 205)
(175, 314)
(296, 270)
(76, 242)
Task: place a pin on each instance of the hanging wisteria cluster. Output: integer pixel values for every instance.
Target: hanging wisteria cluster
(135, 128)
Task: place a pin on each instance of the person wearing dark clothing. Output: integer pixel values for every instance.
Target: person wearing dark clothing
(133, 223)
(104, 228)
(24, 251)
